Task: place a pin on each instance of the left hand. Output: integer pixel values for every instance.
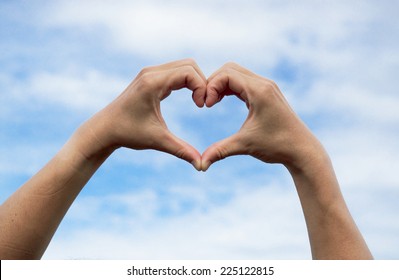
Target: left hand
(272, 131)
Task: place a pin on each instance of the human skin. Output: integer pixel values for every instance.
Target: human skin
(273, 133)
(30, 216)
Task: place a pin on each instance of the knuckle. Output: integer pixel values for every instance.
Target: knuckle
(145, 81)
(273, 84)
(268, 85)
(188, 64)
(180, 153)
(267, 89)
(188, 69)
(221, 152)
(144, 71)
(230, 64)
(189, 61)
(268, 94)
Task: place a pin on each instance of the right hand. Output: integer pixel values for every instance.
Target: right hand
(134, 119)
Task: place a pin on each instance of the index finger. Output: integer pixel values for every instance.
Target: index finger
(184, 76)
(227, 81)
(198, 96)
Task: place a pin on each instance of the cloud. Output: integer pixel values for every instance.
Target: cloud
(364, 158)
(140, 26)
(82, 90)
(336, 62)
(331, 41)
(253, 31)
(244, 227)
(14, 159)
(375, 212)
(256, 221)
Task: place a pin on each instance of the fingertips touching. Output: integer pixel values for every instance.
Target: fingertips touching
(212, 97)
(199, 97)
(205, 166)
(196, 82)
(209, 157)
(218, 86)
(197, 165)
(229, 146)
(181, 149)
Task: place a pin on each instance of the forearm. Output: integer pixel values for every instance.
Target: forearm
(333, 233)
(29, 218)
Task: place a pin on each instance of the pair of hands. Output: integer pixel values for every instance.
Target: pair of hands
(272, 131)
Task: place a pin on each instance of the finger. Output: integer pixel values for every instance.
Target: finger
(236, 67)
(173, 145)
(234, 75)
(227, 147)
(225, 82)
(175, 64)
(184, 76)
(198, 95)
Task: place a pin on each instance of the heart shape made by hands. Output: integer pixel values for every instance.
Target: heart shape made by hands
(271, 132)
(217, 136)
(202, 127)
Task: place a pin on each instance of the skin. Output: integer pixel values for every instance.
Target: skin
(29, 218)
(272, 133)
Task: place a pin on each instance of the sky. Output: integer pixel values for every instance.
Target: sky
(336, 62)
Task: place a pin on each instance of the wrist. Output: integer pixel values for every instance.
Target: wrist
(89, 144)
(308, 158)
(315, 179)
(314, 172)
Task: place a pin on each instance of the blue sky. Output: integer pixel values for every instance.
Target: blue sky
(336, 62)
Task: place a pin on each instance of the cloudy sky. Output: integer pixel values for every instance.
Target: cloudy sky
(337, 62)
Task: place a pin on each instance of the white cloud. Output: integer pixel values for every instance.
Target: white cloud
(364, 158)
(309, 30)
(246, 227)
(347, 54)
(25, 159)
(336, 41)
(90, 90)
(355, 102)
(375, 212)
(81, 90)
(257, 222)
(158, 28)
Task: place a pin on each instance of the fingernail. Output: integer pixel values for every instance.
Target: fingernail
(196, 164)
(206, 165)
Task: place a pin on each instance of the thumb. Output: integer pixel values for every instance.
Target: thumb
(227, 147)
(181, 149)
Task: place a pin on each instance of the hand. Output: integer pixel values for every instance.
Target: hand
(272, 131)
(134, 119)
